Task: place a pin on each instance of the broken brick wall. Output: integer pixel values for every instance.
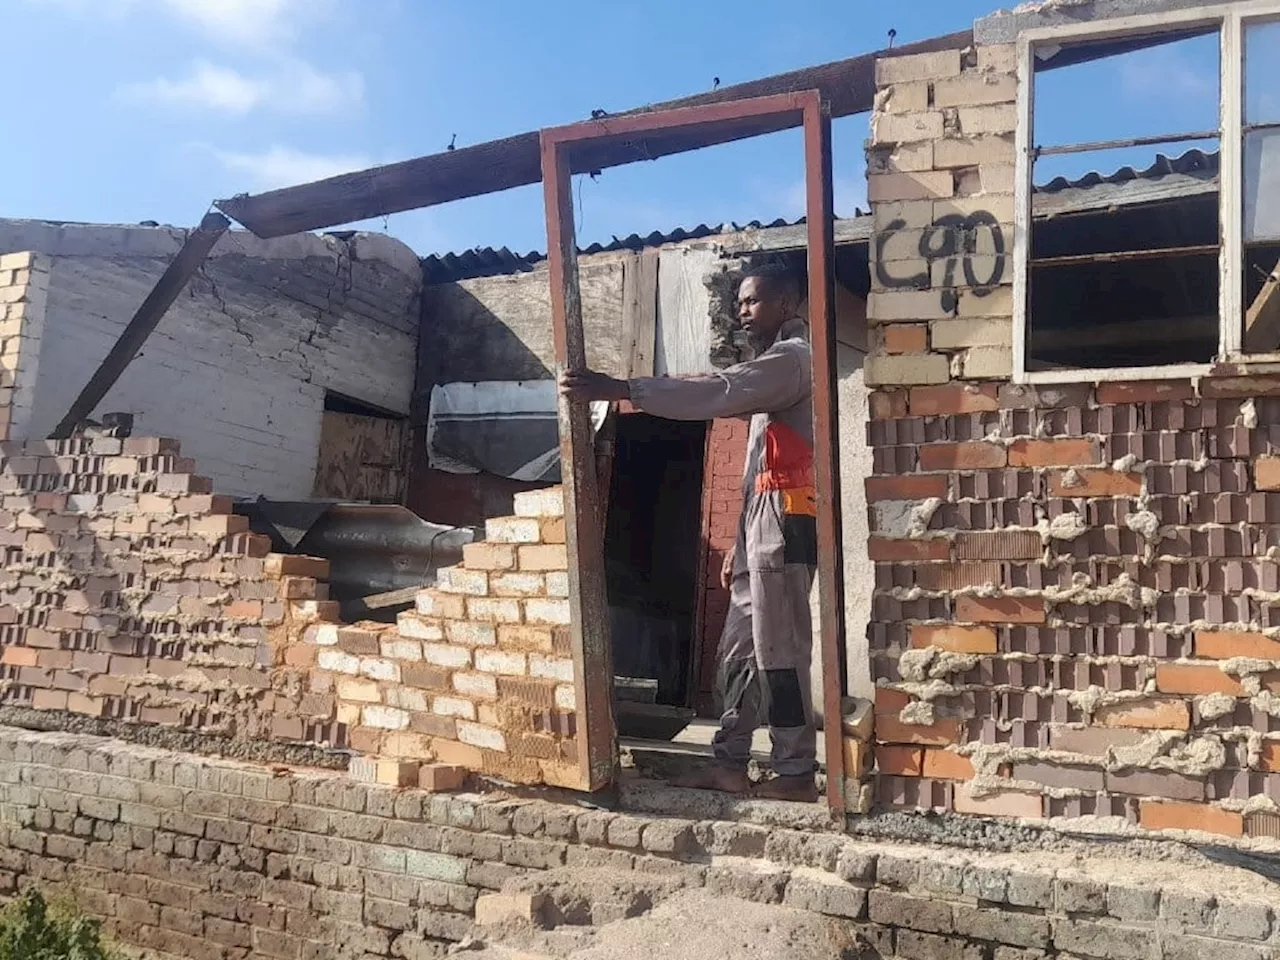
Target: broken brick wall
(240, 364)
(131, 594)
(1076, 585)
(479, 675)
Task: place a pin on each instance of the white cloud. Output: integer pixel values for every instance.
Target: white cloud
(247, 23)
(244, 24)
(280, 166)
(296, 87)
(208, 85)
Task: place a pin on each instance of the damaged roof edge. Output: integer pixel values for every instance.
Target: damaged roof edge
(1004, 26)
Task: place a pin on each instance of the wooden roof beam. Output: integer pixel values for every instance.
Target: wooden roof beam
(848, 85)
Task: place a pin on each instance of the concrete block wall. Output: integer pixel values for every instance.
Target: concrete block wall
(217, 860)
(479, 676)
(239, 366)
(1075, 593)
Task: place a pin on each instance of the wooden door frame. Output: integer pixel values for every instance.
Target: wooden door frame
(589, 623)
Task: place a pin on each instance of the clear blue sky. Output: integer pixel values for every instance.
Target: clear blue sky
(131, 110)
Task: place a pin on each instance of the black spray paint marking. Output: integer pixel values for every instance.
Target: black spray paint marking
(954, 240)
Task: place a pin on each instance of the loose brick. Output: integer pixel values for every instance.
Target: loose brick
(1194, 680)
(906, 487)
(957, 639)
(900, 761)
(1004, 803)
(888, 404)
(1065, 451)
(513, 530)
(886, 550)
(974, 455)
(1148, 714)
(1227, 645)
(905, 369)
(947, 765)
(999, 609)
(974, 89)
(543, 557)
(916, 67)
(941, 733)
(442, 777)
(1094, 483)
(540, 503)
(953, 398)
(1169, 815)
(489, 556)
(905, 337)
(1145, 391)
(1266, 473)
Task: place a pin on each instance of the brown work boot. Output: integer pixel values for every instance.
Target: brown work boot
(715, 777)
(800, 789)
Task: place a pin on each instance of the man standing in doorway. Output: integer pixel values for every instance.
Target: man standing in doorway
(766, 649)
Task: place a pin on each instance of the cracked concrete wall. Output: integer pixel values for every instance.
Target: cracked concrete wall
(239, 366)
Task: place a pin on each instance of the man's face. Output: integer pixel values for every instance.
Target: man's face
(761, 309)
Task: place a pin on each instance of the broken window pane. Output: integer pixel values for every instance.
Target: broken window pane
(1262, 185)
(1123, 266)
(1262, 72)
(1261, 213)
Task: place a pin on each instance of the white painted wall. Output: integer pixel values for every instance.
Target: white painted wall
(238, 368)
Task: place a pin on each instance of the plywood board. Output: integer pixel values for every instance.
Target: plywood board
(361, 458)
(684, 311)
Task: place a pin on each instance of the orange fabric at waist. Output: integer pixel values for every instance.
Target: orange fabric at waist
(784, 479)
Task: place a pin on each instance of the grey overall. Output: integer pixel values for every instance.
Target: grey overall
(767, 645)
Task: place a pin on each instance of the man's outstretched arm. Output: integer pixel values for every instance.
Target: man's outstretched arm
(771, 382)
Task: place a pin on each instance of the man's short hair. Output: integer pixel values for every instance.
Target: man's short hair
(780, 279)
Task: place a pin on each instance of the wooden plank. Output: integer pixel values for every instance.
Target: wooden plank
(588, 607)
(640, 313)
(849, 85)
(684, 304)
(1262, 321)
(361, 458)
(826, 439)
(157, 303)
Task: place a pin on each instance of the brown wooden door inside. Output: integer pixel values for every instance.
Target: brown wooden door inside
(361, 458)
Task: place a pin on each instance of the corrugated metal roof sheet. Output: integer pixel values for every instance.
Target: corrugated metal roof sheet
(1193, 163)
(489, 262)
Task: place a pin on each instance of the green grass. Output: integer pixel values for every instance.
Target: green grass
(32, 928)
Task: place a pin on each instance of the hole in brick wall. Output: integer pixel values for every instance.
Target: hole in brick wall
(1133, 279)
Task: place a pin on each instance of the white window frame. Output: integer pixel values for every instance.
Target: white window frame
(1230, 19)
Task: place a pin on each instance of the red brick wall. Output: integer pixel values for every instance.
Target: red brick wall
(722, 505)
(1088, 625)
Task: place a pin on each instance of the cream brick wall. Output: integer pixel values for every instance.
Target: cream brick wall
(940, 181)
(239, 366)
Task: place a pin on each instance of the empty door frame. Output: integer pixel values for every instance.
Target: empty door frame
(562, 149)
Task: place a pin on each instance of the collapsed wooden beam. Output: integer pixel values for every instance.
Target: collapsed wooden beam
(848, 85)
(171, 283)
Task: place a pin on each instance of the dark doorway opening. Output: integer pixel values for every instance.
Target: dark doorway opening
(653, 546)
